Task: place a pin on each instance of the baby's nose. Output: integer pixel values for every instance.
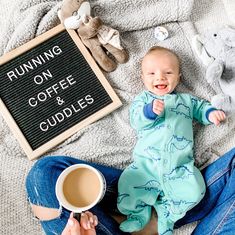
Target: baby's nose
(160, 76)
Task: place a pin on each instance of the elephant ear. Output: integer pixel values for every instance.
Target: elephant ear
(200, 51)
(228, 36)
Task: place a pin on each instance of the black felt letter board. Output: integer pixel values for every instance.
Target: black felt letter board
(51, 88)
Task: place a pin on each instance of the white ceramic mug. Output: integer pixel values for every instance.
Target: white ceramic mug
(80, 187)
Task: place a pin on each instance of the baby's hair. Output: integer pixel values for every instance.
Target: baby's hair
(159, 48)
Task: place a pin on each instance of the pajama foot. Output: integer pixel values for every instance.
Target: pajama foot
(132, 224)
(165, 227)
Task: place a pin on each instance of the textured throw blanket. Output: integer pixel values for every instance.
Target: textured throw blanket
(110, 141)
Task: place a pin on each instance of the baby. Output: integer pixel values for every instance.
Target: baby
(163, 174)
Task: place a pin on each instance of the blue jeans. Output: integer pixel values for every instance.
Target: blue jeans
(216, 211)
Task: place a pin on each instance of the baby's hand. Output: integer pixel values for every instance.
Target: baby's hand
(216, 117)
(158, 106)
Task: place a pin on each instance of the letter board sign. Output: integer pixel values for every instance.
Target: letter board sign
(50, 88)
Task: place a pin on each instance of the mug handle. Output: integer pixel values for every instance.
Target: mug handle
(77, 216)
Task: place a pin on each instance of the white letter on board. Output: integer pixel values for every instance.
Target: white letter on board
(33, 104)
(11, 74)
(41, 127)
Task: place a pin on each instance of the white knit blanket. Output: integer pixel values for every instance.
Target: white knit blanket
(110, 140)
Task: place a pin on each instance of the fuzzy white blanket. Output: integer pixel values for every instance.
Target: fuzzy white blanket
(111, 140)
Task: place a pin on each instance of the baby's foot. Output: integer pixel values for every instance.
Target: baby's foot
(165, 227)
(132, 224)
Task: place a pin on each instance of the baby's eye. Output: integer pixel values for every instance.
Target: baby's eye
(168, 72)
(151, 73)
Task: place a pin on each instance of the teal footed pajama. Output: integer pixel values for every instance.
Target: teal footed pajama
(163, 175)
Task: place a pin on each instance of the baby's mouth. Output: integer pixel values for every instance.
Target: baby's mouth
(161, 86)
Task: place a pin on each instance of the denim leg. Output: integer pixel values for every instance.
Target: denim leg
(40, 186)
(217, 209)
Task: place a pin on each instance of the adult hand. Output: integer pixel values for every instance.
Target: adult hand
(216, 117)
(86, 226)
(158, 106)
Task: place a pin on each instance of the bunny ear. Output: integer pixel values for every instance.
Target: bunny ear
(85, 9)
(200, 51)
(228, 36)
(59, 15)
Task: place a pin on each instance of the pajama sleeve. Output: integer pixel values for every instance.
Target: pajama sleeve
(201, 110)
(141, 114)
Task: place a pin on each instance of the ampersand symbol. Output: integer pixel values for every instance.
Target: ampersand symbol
(59, 100)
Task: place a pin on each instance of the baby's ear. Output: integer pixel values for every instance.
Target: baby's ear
(180, 74)
(142, 75)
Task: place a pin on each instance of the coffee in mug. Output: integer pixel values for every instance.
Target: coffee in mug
(80, 187)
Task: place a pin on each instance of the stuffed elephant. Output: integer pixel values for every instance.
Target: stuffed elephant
(216, 50)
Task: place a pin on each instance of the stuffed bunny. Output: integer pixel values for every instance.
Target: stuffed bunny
(100, 39)
(216, 50)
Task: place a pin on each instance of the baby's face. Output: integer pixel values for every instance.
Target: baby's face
(160, 72)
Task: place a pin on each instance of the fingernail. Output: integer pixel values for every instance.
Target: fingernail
(96, 222)
(88, 225)
(91, 220)
(70, 222)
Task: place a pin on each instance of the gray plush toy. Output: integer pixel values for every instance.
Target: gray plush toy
(216, 50)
